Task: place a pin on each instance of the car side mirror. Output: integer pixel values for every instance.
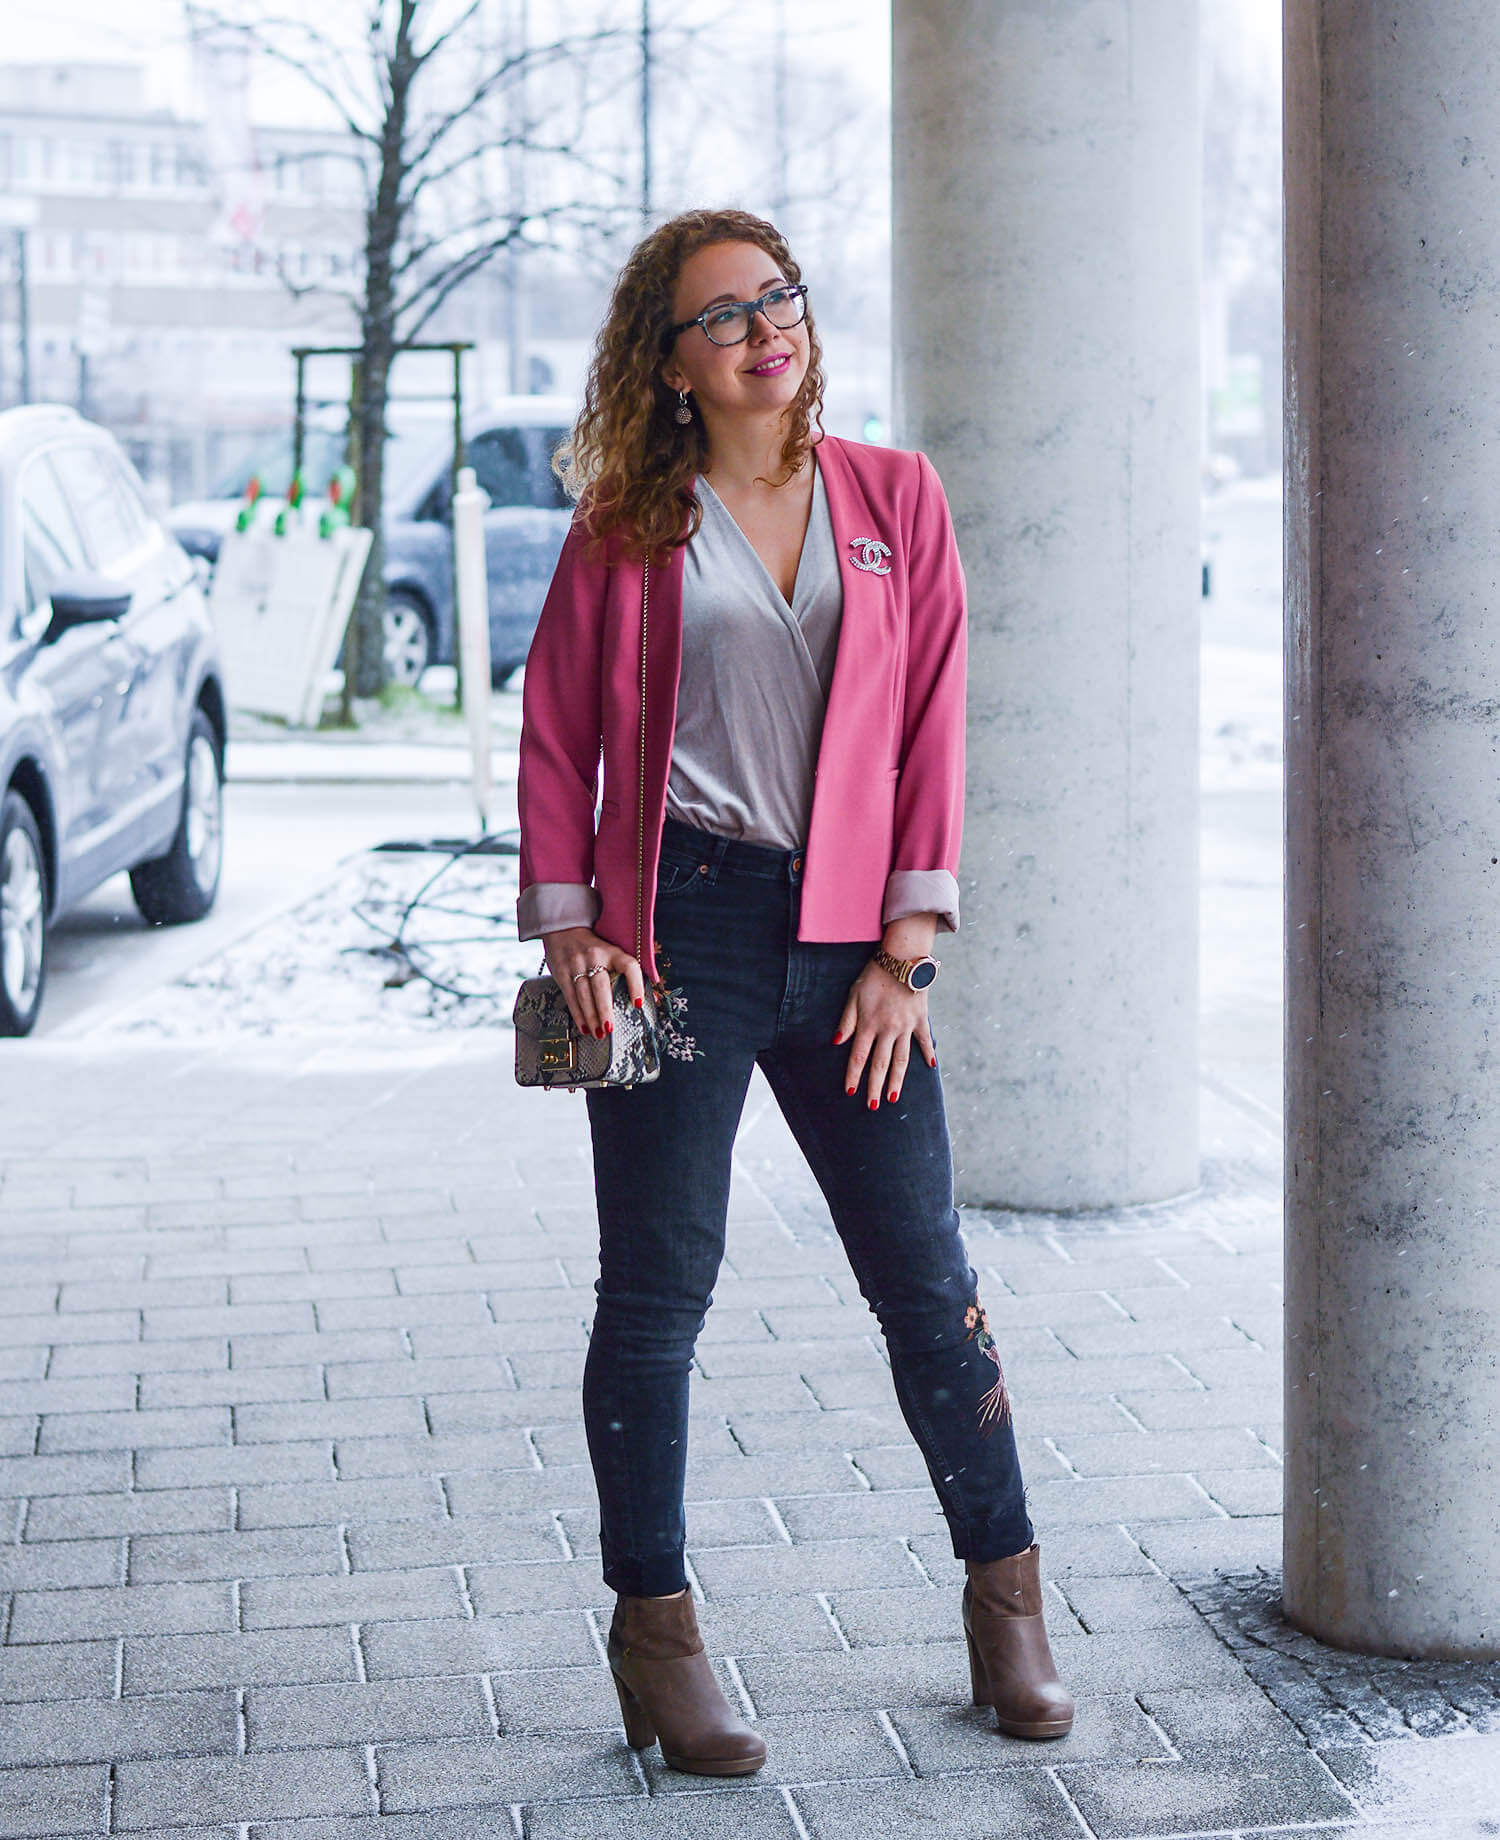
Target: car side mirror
(81, 598)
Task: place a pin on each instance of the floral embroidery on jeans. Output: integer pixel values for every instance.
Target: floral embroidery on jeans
(671, 1007)
(994, 1407)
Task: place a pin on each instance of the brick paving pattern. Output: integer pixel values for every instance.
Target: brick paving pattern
(297, 1534)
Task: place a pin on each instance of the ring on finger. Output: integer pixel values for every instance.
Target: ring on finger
(579, 976)
(595, 970)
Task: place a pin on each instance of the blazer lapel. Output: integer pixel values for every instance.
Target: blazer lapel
(865, 549)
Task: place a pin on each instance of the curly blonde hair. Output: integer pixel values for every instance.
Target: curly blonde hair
(628, 462)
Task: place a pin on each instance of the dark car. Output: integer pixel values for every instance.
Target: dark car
(111, 706)
(510, 447)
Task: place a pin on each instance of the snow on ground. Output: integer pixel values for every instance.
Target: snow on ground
(1239, 719)
(326, 965)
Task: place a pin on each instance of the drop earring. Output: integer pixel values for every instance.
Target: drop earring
(682, 414)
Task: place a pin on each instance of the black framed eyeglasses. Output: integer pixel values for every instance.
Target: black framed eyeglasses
(729, 322)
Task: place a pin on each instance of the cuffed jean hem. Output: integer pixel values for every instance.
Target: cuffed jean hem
(660, 1575)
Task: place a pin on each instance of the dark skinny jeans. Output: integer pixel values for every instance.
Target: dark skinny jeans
(726, 922)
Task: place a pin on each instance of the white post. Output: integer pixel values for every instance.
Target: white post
(471, 586)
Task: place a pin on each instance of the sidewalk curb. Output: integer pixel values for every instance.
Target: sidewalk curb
(359, 763)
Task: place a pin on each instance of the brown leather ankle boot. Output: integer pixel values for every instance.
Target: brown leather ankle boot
(1010, 1662)
(668, 1690)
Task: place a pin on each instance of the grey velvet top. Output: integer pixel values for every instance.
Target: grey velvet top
(755, 678)
(750, 705)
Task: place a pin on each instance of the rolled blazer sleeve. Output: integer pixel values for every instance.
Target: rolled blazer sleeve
(561, 742)
(930, 794)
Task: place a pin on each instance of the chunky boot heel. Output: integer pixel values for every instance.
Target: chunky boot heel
(1010, 1659)
(669, 1692)
(640, 1733)
(977, 1680)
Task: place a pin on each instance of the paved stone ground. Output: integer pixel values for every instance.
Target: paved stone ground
(299, 1538)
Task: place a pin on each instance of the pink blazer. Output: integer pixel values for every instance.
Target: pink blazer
(890, 774)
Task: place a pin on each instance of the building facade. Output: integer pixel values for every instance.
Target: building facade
(170, 262)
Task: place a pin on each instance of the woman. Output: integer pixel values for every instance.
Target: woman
(785, 817)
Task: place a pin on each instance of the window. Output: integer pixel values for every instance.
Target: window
(500, 465)
(49, 537)
(132, 505)
(110, 524)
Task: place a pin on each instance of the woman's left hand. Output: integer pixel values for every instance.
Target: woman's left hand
(885, 1019)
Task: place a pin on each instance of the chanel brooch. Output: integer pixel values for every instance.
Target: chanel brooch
(871, 555)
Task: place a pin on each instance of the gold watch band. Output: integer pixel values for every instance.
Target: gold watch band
(902, 968)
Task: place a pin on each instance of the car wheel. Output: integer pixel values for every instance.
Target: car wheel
(23, 917)
(182, 884)
(408, 640)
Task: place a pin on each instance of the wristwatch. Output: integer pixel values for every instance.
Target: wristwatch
(914, 973)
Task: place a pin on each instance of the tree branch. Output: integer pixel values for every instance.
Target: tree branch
(442, 284)
(418, 253)
(471, 11)
(306, 290)
(260, 36)
(540, 57)
(565, 150)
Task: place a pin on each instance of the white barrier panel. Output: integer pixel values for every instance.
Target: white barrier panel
(472, 581)
(280, 606)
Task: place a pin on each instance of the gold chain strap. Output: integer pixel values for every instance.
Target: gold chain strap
(640, 853)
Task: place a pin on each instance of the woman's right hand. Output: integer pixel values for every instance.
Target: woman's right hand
(578, 958)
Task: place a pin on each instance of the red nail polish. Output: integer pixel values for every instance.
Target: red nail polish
(891, 1098)
(609, 1029)
(874, 1105)
(638, 1006)
(851, 1092)
(835, 1041)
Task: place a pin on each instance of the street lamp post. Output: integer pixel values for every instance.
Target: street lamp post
(23, 314)
(779, 131)
(19, 215)
(646, 112)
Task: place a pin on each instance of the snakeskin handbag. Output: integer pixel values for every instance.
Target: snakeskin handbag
(550, 1052)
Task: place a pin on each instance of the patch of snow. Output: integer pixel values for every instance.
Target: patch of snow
(1239, 719)
(325, 966)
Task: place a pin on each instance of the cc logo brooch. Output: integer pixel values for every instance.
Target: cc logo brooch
(871, 555)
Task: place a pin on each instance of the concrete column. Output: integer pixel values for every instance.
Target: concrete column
(1393, 826)
(1046, 332)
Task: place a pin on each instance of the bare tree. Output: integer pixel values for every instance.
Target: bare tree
(428, 99)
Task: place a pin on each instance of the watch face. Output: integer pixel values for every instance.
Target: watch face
(922, 974)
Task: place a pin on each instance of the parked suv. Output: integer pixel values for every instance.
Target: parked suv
(510, 447)
(111, 705)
